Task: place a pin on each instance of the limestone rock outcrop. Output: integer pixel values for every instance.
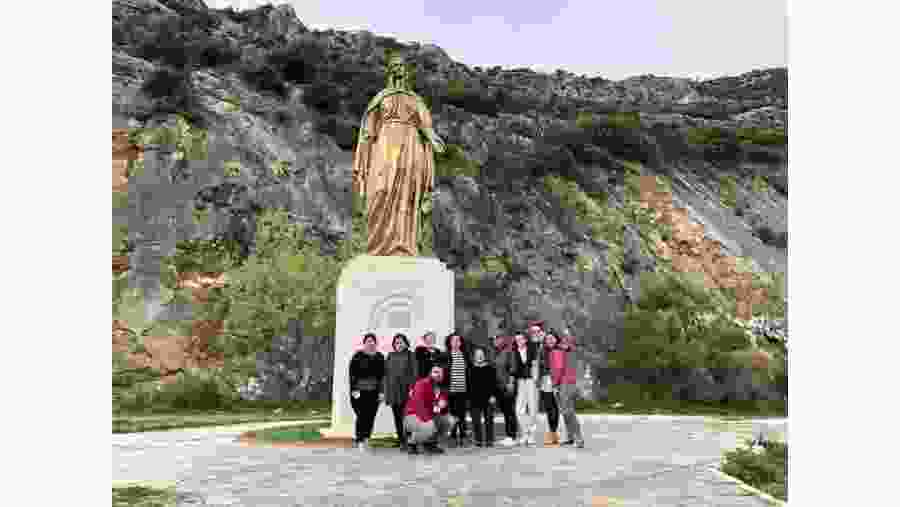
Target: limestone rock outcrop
(690, 250)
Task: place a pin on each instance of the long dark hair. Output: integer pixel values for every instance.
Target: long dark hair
(463, 346)
(402, 337)
(555, 335)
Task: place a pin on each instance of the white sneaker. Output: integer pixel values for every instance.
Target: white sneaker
(507, 442)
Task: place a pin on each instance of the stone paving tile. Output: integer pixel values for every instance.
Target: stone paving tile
(637, 461)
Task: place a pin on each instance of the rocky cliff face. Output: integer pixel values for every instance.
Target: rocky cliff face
(269, 92)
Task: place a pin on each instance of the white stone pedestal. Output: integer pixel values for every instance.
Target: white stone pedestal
(385, 296)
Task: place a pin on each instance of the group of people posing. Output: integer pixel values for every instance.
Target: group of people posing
(431, 391)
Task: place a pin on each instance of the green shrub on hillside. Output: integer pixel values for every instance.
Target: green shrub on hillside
(675, 324)
(496, 264)
(472, 278)
(621, 120)
(193, 389)
(606, 222)
(453, 162)
(584, 120)
(189, 139)
(760, 184)
(287, 277)
(204, 256)
(471, 97)
(120, 243)
(763, 137)
(728, 191)
(297, 62)
(120, 200)
(706, 135)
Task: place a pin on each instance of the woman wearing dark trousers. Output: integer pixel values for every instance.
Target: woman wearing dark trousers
(366, 379)
(549, 403)
(399, 376)
(484, 393)
(506, 401)
(458, 392)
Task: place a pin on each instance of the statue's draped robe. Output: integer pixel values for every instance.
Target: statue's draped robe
(394, 167)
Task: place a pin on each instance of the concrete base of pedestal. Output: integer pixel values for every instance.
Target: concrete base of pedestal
(385, 296)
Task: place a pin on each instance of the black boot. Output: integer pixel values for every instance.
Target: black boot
(412, 449)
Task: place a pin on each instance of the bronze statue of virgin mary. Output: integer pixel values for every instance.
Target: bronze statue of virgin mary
(393, 166)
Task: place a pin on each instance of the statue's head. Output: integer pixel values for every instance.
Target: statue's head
(397, 72)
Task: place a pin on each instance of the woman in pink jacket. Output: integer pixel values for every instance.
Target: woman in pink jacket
(563, 374)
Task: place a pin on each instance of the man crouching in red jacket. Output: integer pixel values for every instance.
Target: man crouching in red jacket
(427, 415)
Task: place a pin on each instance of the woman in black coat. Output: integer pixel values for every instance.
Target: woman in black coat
(366, 381)
(399, 376)
(428, 355)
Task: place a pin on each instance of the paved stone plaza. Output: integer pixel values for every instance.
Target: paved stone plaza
(629, 460)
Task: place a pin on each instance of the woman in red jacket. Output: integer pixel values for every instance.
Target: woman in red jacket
(563, 373)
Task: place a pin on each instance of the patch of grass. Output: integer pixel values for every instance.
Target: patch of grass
(141, 496)
(167, 419)
(765, 469)
(299, 433)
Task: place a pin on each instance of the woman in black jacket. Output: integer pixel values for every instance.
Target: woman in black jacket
(366, 379)
(458, 367)
(484, 392)
(399, 375)
(428, 355)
